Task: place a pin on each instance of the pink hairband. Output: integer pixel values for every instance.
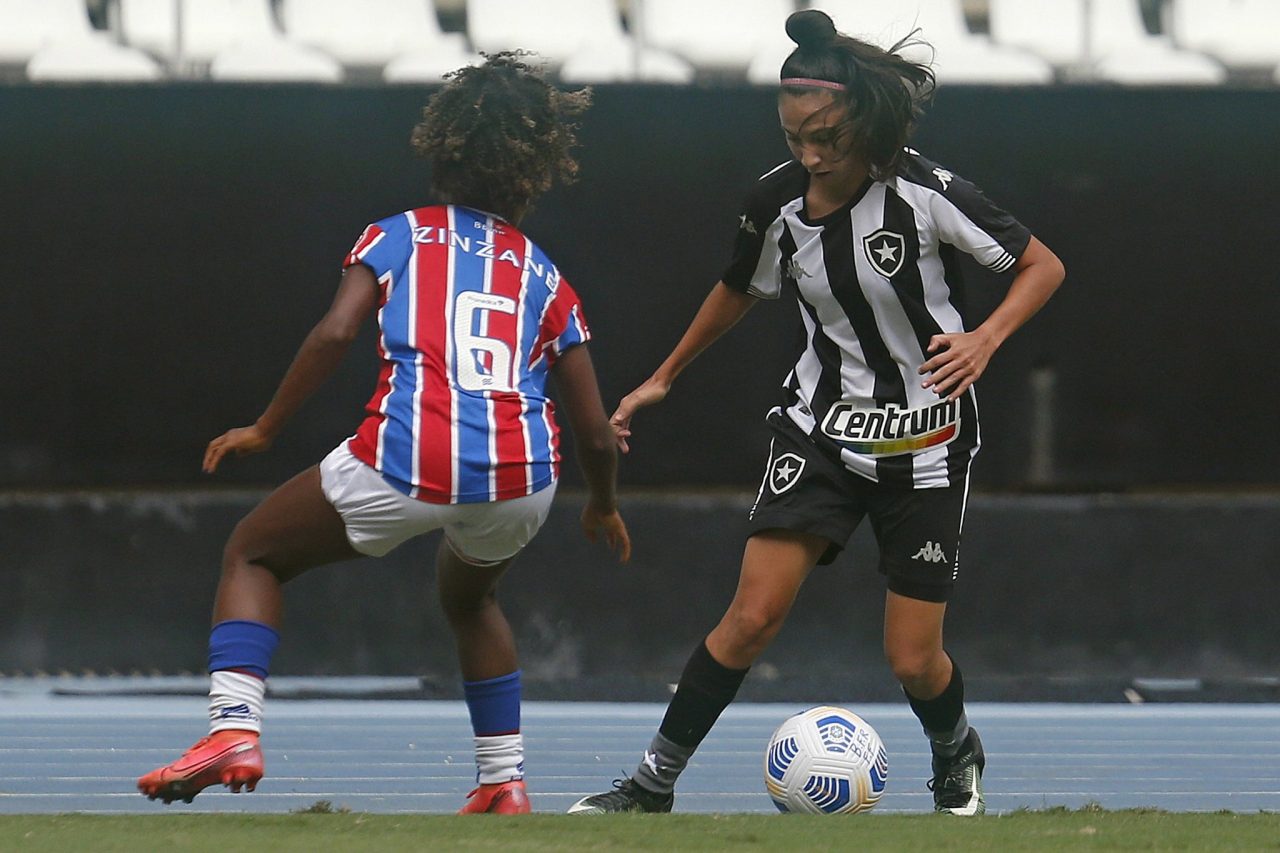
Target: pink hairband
(809, 81)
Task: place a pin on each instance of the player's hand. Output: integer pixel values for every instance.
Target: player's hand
(652, 391)
(958, 359)
(597, 523)
(240, 441)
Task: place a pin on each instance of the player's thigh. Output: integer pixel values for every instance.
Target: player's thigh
(483, 534)
(912, 629)
(294, 528)
(465, 586)
(918, 532)
(775, 564)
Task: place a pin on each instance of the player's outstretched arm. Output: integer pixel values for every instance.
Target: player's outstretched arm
(720, 312)
(593, 438)
(319, 354)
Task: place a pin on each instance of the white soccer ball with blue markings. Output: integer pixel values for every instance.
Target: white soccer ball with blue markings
(825, 761)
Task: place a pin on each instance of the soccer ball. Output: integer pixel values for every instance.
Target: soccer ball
(825, 761)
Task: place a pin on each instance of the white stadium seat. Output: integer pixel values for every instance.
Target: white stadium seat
(1052, 29)
(274, 61)
(1126, 53)
(1240, 33)
(1110, 42)
(956, 55)
(93, 59)
(553, 29)
(212, 26)
(373, 32)
(56, 42)
(151, 25)
(633, 63)
(582, 39)
(715, 35)
(28, 25)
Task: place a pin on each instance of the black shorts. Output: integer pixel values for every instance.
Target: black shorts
(918, 530)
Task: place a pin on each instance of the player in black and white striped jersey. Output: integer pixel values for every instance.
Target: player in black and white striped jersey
(881, 419)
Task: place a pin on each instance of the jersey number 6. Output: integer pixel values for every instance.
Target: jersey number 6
(483, 363)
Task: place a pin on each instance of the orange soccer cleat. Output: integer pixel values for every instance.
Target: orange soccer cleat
(500, 798)
(231, 758)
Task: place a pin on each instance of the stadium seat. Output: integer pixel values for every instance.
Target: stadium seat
(425, 66)
(612, 66)
(373, 32)
(150, 25)
(956, 55)
(553, 29)
(274, 61)
(1240, 33)
(584, 35)
(715, 35)
(28, 25)
(1052, 29)
(210, 27)
(91, 59)
(1126, 53)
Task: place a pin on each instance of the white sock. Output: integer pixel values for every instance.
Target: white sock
(499, 759)
(235, 701)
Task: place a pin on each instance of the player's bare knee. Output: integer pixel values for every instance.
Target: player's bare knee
(752, 628)
(910, 666)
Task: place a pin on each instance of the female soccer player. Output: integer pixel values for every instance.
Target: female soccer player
(460, 435)
(880, 419)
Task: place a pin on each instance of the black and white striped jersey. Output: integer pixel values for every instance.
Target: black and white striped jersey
(874, 281)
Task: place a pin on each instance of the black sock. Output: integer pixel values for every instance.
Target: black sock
(943, 716)
(706, 688)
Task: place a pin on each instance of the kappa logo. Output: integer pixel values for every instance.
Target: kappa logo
(651, 761)
(886, 250)
(747, 225)
(931, 553)
(794, 271)
(785, 472)
(944, 177)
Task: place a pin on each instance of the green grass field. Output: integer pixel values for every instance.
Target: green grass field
(1053, 829)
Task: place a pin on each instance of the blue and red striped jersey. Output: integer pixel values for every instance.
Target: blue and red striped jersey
(472, 315)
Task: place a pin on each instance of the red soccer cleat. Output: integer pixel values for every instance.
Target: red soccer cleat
(500, 798)
(231, 758)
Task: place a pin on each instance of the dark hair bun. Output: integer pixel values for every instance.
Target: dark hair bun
(811, 28)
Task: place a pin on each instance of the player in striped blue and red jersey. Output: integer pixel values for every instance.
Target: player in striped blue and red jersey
(460, 435)
(496, 325)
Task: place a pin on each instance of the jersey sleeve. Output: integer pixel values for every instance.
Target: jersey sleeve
(563, 323)
(754, 266)
(968, 220)
(372, 250)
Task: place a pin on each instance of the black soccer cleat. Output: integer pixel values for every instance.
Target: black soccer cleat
(957, 781)
(626, 796)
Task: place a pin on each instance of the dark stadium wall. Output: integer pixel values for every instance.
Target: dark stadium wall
(166, 249)
(1060, 597)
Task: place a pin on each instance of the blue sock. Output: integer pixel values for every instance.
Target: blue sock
(494, 705)
(242, 645)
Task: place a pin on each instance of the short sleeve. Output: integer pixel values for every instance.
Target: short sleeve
(563, 323)
(748, 245)
(371, 250)
(968, 220)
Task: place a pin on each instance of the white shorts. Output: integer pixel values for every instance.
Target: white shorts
(379, 518)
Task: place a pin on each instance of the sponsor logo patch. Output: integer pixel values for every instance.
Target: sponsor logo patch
(892, 430)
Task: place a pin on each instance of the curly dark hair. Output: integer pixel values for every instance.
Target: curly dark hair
(884, 92)
(498, 135)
